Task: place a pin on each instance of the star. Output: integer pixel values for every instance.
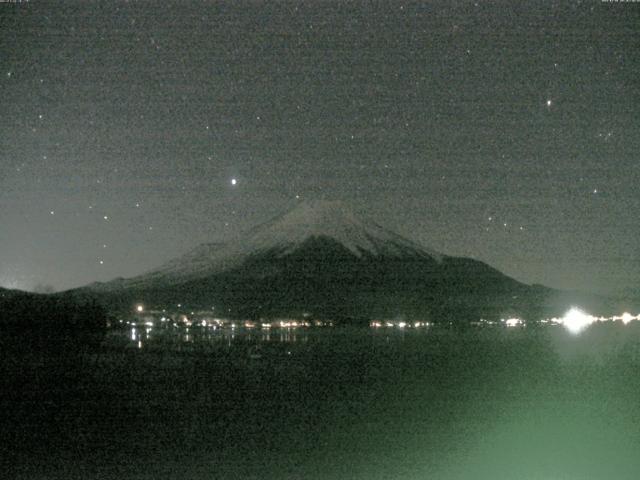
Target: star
(549, 102)
(234, 181)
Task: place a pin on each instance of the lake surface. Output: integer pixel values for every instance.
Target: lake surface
(331, 403)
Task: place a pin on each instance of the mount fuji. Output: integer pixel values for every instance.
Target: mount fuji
(330, 222)
(321, 259)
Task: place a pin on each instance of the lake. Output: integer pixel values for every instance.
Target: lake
(331, 403)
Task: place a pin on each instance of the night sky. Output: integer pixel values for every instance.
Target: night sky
(508, 132)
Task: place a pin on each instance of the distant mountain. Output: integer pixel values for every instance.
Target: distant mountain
(47, 323)
(6, 293)
(279, 238)
(323, 260)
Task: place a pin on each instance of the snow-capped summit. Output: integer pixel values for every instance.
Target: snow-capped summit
(323, 259)
(328, 220)
(333, 220)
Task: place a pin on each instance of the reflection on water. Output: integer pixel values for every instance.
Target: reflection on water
(167, 334)
(358, 403)
(173, 335)
(201, 330)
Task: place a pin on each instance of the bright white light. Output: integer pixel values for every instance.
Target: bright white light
(627, 317)
(139, 308)
(575, 320)
(233, 181)
(513, 322)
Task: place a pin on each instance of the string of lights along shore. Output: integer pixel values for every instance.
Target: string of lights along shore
(504, 132)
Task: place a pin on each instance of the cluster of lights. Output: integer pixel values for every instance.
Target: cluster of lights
(389, 324)
(575, 320)
(185, 321)
(513, 322)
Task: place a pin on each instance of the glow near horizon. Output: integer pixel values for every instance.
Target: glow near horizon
(575, 320)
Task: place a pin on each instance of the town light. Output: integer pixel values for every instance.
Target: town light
(575, 320)
(627, 317)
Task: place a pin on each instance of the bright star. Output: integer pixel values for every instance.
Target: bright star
(233, 181)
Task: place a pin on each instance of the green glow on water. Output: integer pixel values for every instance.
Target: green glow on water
(358, 404)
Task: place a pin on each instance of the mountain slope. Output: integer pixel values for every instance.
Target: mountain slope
(323, 260)
(282, 236)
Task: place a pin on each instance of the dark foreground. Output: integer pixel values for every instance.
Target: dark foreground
(342, 404)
